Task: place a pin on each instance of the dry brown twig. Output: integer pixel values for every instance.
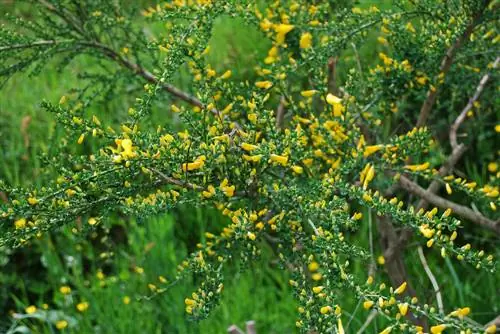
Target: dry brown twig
(461, 117)
(280, 114)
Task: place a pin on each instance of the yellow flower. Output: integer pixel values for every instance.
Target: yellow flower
(249, 147)
(81, 138)
(252, 158)
(126, 300)
(370, 174)
(197, 164)
(387, 330)
(325, 309)
(65, 290)
(421, 80)
(461, 312)
(266, 25)
(381, 260)
(61, 324)
(336, 102)
(32, 201)
(92, 221)
(226, 75)
(403, 308)
(410, 28)
(446, 213)
(305, 40)
(209, 192)
(251, 236)
(418, 168)
(400, 289)
(297, 169)
(332, 99)
(211, 73)
(281, 31)
(226, 189)
(369, 150)
(252, 117)
(308, 93)
(426, 231)
(492, 167)
(30, 309)
(20, 223)
(497, 128)
(317, 276)
(280, 159)
(382, 40)
(82, 307)
(313, 266)
(368, 304)
(340, 328)
(491, 329)
(127, 148)
(317, 289)
(438, 329)
(264, 84)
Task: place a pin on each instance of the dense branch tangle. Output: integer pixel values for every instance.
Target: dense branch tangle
(301, 182)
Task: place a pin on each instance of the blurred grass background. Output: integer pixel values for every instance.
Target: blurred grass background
(108, 267)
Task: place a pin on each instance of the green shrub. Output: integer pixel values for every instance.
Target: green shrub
(351, 114)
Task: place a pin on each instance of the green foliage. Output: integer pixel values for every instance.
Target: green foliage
(278, 147)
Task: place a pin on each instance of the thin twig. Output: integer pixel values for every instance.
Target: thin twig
(495, 322)
(65, 15)
(280, 113)
(176, 182)
(313, 227)
(358, 60)
(233, 329)
(460, 210)
(432, 278)
(445, 66)
(34, 44)
(332, 75)
(372, 266)
(113, 55)
(250, 326)
(369, 319)
(445, 169)
(460, 119)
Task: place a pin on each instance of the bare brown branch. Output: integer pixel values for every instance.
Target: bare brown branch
(332, 75)
(461, 117)
(280, 114)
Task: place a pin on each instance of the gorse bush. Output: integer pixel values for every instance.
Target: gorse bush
(291, 155)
